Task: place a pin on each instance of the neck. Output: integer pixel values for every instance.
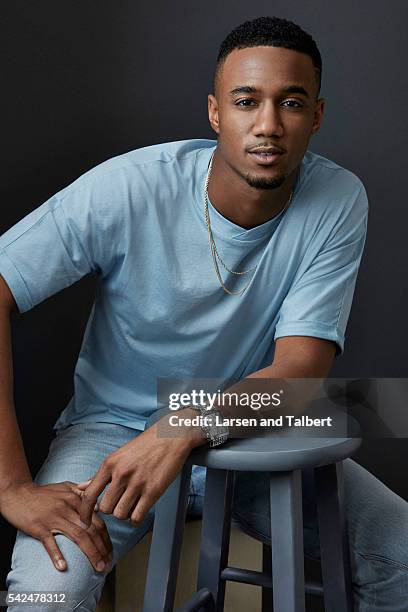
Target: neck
(242, 204)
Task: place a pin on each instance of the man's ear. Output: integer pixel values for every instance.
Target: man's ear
(318, 116)
(213, 113)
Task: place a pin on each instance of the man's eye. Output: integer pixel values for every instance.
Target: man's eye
(292, 104)
(244, 102)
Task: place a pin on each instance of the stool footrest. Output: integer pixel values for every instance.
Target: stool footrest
(238, 574)
(262, 579)
(201, 599)
(314, 588)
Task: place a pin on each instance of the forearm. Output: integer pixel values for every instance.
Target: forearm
(288, 387)
(293, 381)
(13, 462)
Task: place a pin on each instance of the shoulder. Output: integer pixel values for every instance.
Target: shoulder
(331, 196)
(148, 160)
(331, 182)
(164, 153)
(112, 188)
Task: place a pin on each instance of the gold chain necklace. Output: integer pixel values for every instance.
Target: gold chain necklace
(213, 248)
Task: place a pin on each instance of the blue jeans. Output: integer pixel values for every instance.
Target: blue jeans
(377, 522)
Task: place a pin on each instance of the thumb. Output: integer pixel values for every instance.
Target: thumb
(84, 484)
(80, 487)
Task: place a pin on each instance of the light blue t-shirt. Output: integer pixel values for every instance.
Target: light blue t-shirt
(137, 221)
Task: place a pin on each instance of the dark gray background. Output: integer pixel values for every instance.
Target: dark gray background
(85, 80)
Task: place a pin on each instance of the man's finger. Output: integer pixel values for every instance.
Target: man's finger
(81, 494)
(91, 494)
(140, 510)
(111, 496)
(100, 523)
(54, 552)
(84, 484)
(125, 503)
(79, 490)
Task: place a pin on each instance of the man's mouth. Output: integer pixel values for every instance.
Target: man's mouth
(266, 158)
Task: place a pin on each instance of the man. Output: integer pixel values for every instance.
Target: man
(230, 258)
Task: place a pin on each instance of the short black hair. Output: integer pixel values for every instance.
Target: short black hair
(273, 32)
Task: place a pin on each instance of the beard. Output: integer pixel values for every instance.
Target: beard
(261, 182)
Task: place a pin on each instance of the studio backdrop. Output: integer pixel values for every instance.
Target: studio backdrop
(85, 80)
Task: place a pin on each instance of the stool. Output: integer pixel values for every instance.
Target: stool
(283, 456)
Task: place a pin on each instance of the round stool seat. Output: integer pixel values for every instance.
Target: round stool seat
(285, 449)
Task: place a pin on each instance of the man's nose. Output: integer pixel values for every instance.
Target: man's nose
(268, 121)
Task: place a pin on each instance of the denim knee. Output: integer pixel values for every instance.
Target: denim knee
(79, 587)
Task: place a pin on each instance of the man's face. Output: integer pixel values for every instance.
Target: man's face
(265, 99)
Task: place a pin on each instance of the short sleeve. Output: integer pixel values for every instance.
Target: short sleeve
(319, 301)
(52, 247)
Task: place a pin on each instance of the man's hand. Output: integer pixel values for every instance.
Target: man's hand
(138, 472)
(42, 511)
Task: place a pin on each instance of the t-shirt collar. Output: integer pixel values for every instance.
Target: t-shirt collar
(221, 225)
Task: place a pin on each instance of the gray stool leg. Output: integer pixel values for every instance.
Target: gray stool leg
(287, 541)
(333, 538)
(170, 514)
(267, 595)
(215, 533)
